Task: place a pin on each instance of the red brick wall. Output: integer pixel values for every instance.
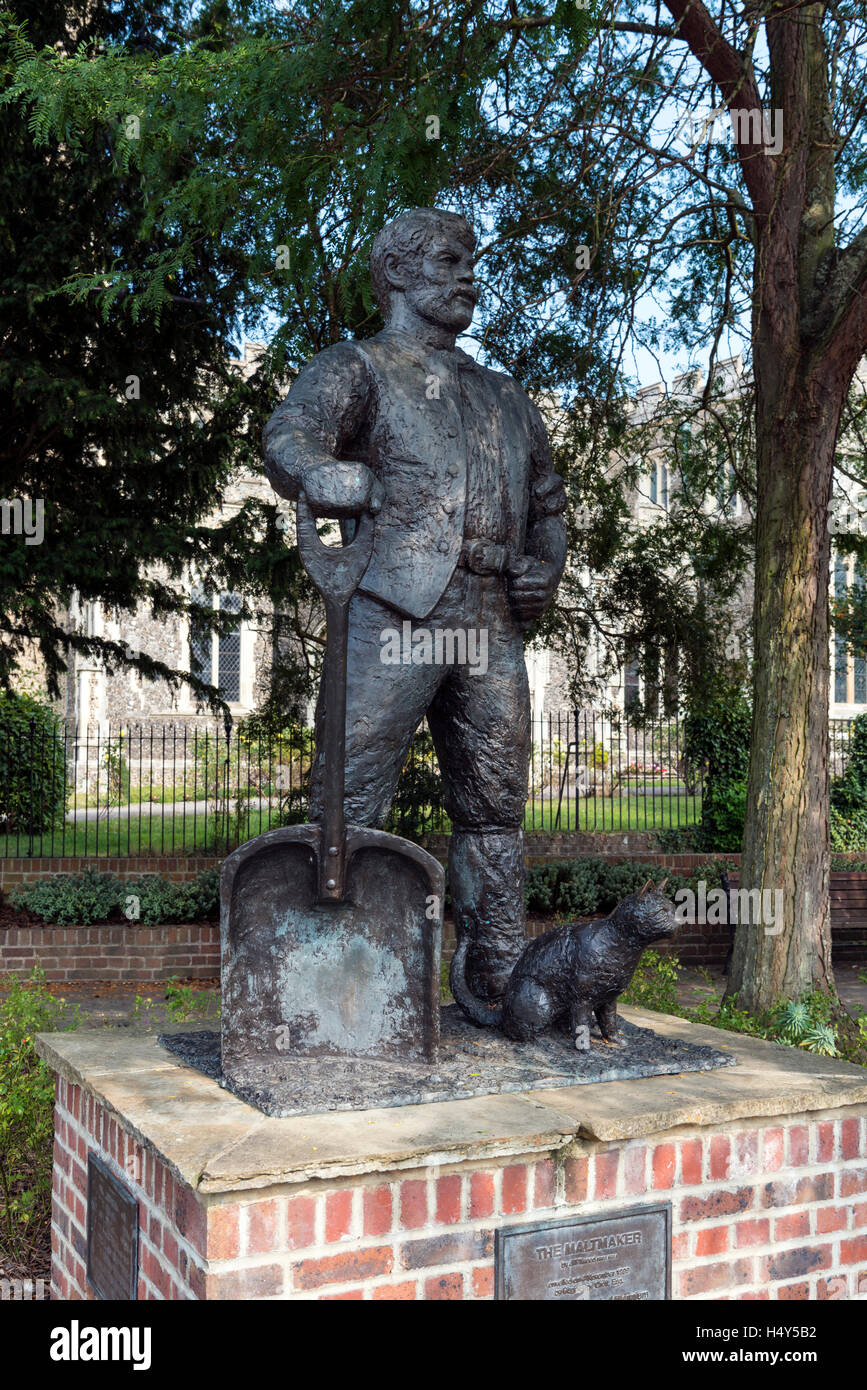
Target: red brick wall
(14, 872)
(192, 952)
(137, 954)
(143, 954)
(538, 848)
(766, 1209)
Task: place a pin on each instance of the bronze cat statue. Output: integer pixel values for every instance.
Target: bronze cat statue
(571, 973)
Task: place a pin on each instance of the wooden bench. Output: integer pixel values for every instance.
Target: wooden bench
(848, 899)
(848, 914)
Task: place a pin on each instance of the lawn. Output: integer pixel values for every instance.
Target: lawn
(163, 831)
(624, 811)
(172, 829)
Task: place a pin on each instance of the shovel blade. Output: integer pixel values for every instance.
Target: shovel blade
(303, 978)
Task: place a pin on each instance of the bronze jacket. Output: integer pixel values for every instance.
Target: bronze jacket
(400, 407)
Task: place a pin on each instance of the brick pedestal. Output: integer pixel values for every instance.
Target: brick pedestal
(765, 1165)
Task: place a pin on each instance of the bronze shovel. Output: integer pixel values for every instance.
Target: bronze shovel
(330, 933)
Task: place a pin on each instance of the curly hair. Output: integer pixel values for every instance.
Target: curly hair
(408, 236)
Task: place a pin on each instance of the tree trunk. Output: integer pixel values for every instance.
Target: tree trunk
(809, 331)
(785, 848)
(802, 377)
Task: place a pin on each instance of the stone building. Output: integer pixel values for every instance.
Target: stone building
(237, 662)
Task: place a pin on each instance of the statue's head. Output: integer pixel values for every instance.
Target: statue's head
(424, 259)
(649, 914)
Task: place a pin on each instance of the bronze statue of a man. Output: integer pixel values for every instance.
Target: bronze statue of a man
(454, 462)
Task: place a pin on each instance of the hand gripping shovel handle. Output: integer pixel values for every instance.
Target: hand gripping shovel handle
(337, 572)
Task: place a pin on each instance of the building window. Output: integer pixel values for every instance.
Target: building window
(216, 658)
(841, 584)
(859, 665)
(727, 490)
(659, 485)
(631, 685)
(850, 673)
(859, 681)
(660, 682)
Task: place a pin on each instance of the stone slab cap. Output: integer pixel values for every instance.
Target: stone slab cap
(216, 1143)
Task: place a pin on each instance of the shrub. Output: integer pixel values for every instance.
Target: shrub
(568, 886)
(806, 1022)
(150, 900)
(578, 887)
(204, 895)
(418, 799)
(679, 839)
(848, 830)
(293, 807)
(71, 899)
(717, 737)
(184, 1002)
(849, 792)
(162, 901)
(813, 1020)
(26, 1118)
(91, 896)
(33, 774)
(728, 816)
(654, 984)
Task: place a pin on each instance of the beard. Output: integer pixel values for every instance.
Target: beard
(444, 306)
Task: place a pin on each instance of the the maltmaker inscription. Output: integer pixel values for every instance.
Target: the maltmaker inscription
(619, 1257)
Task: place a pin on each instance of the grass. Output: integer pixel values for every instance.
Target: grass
(26, 1121)
(184, 1003)
(661, 811)
(156, 833)
(170, 830)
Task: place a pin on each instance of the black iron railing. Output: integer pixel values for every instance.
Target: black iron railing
(183, 789)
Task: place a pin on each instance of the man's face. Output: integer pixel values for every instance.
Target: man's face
(442, 288)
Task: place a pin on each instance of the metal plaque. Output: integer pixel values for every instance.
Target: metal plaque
(624, 1256)
(112, 1234)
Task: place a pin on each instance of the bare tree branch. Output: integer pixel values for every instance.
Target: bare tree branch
(734, 76)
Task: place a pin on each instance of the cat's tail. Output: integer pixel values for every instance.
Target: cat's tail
(476, 1010)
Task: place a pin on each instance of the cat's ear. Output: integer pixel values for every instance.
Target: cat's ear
(647, 885)
(661, 887)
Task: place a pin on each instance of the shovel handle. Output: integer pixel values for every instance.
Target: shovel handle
(337, 572)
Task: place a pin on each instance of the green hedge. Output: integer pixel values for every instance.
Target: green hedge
(579, 887)
(848, 830)
(849, 792)
(566, 887)
(717, 737)
(91, 897)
